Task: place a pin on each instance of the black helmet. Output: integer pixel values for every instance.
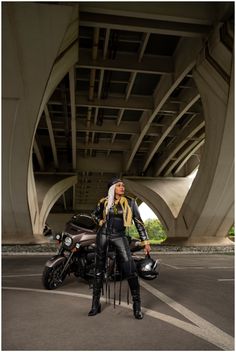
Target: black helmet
(147, 268)
(113, 181)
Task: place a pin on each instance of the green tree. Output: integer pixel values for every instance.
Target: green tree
(231, 232)
(155, 230)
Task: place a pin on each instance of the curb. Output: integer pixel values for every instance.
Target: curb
(8, 254)
(40, 250)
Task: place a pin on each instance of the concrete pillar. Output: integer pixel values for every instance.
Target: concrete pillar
(32, 36)
(208, 210)
(204, 213)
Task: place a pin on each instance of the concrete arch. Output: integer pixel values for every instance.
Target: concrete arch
(182, 142)
(67, 57)
(49, 190)
(24, 48)
(187, 155)
(208, 210)
(204, 212)
(164, 196)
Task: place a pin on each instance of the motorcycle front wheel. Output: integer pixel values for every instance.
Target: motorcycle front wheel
(52, 276)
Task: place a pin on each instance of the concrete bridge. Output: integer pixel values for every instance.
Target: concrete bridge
(93, 90)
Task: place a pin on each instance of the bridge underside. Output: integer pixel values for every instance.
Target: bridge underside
(96, 91)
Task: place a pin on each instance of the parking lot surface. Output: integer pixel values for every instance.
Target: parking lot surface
(190, 306)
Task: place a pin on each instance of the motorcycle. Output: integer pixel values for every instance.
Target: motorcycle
(76, 253)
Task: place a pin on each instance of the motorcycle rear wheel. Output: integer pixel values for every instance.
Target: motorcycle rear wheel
(52, 277)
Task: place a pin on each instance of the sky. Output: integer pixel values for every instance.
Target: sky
(146, 212)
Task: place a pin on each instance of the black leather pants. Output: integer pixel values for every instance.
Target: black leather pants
(127, 265)
(121, 244)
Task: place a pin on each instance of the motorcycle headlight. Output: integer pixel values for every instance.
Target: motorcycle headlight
(68, 241)
(58, 236)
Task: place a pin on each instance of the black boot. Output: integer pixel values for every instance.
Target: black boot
(135, 292)
(96, 305)
(137, 307)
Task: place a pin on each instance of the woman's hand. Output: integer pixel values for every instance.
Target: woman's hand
(147, 248)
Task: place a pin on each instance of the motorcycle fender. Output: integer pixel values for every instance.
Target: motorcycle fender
(55, 260)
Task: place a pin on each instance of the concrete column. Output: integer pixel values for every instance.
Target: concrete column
(204, 213)
(208, 210)
(32, 37)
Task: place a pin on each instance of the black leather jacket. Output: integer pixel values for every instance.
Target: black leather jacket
(114, 224)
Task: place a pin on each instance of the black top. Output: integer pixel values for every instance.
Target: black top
(114, 224)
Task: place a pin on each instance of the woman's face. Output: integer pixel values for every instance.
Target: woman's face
(120, 189)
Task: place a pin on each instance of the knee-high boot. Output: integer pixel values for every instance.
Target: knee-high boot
(135, 292)
(97, 286)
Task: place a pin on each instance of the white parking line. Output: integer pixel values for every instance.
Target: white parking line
(171, 266)
(207, 331)
(183, 267)
(196, 267)
(220, 267)
(204, 328)
(225, 279)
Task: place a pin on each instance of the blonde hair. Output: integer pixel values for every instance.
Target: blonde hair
(110, 201)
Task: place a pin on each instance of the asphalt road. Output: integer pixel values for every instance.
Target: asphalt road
(189, 307)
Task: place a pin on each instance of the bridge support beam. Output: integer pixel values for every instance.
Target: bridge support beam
(28, 58)
(204, 213)
(208, 211)
(164, 196)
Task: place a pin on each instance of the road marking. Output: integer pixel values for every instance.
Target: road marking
(182, 267)
(20, 275)
(204, 328)
(225, 279)
(208, 332)
(196, 267)
(161, 263)
(171, 266)
(220, 267)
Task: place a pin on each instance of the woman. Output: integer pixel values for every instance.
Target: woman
(114, 213)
